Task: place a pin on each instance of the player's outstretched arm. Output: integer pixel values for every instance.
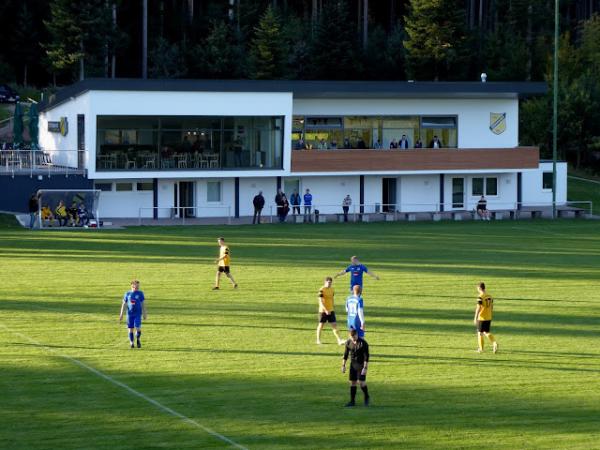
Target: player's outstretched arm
(122, 310)
(343, 272)
(373, 275)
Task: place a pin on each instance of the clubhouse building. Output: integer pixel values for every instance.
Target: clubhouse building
(204, 148)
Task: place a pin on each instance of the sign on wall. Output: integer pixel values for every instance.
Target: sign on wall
(498, 123)
(61, 126)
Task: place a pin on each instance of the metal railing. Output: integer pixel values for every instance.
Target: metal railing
(185, 214)
(42, 162)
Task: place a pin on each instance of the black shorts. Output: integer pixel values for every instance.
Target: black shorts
(224, 269)
(483, 326)
(355, 373)
(324, 318)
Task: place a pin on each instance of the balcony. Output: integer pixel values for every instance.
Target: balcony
(426, 159)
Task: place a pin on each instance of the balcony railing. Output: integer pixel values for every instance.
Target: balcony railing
(42, 162)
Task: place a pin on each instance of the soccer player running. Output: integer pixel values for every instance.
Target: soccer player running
(483, 318)
(136, 308)
(358, 350)
(326, 312)
(356, 270)
(223, 264)
(355, 311)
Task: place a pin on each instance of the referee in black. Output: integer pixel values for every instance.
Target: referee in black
(358, 349)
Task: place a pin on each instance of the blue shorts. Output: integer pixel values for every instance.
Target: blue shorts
(134, 321)
(361, 333)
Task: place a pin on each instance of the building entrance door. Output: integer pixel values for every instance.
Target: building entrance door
(458, 193)
(187, 200)
(389, 194)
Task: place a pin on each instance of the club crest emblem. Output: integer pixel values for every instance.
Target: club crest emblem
(497, 123)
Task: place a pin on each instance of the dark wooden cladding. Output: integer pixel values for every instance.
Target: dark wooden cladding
(416, 159)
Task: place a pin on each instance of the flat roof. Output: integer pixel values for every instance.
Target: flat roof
(302, 89)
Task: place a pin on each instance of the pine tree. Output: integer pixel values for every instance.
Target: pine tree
(436, 44)
(219, 55)
(267, 49)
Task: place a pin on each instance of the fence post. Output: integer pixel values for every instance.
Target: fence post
(139, 217)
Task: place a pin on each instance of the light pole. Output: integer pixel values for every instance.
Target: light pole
(555, 110)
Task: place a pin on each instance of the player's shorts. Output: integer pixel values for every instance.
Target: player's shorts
(224, 269)
(134, 321)
(355, 373)
(483, 326)
(324, 318)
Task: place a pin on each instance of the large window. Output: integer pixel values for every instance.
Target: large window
(547, 180)
(189, 142)
(374, 132)
(213, 192)
(484, 186)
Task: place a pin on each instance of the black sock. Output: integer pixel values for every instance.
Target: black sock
(138, 334)
(131, 337)
(352, 393)
(365, 390)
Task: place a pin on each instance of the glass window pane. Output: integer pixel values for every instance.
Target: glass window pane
(146, 186)
(547, 178)
(438, 122)
(124, 186)
(326, 138)
(477, 186)
(319, 122)
(491, 186)
(213, 191)
(447, 137)
(103, 186)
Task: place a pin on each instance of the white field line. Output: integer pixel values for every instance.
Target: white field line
(584, 179)
(132, 391)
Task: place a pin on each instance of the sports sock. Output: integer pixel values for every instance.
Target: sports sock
(352, 393)
(138, 334)
(131, 337)
(491, 337)
(365, 390)
(480, 341)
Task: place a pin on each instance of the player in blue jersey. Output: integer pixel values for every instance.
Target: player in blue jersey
(356, 270)
(133, 300)
(356, 314)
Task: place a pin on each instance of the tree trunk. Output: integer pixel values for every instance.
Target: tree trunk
(392, 15)
(365, 24)
(190, 10)
(529, 41)
(313, 20)
(25, 75)
(81, 61)
(144, 39)
(358, 14)
(471, 14)
(113, 65)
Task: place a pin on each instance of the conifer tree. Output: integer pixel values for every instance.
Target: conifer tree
(267, 49)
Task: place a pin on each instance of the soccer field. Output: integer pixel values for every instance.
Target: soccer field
(242, 365)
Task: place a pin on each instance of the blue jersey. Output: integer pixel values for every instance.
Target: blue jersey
(134, 301)
(356, 274)
(354, 308)
(307, 199)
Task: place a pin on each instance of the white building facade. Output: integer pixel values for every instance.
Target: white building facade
(205, 148)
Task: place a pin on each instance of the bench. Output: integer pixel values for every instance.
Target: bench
(571, 212)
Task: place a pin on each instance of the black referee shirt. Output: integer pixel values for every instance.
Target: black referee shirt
(359, 351)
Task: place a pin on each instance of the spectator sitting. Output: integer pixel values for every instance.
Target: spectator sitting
(435, 143)
(482, 210)
(300, 144)
(73, 215)
(47, 214)
(403, 143)
(393, 144)
(377, 145)
(61, 214)
(322, 145)
(84, 217)
(418, 144)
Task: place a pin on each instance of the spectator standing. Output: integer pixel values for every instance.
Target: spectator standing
(377, 145)
(259, 203)
(295, 201)
(34, 204)
(393, 144)
(347, 143)
(322, 145)
(403, 143)
(435, 143)
(237, 151)
(307, 206)
(280, 205)
(286, 207)
(346, 203)
(418, 144)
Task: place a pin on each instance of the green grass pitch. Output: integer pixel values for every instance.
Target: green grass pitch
(245, 364)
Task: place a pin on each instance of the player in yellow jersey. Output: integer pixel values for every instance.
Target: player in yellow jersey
(326, 312)
(483, 318)
(223, 263)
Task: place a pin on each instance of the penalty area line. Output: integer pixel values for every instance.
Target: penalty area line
(129, 389)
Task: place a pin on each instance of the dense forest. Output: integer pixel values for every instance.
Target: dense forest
(56, 42)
